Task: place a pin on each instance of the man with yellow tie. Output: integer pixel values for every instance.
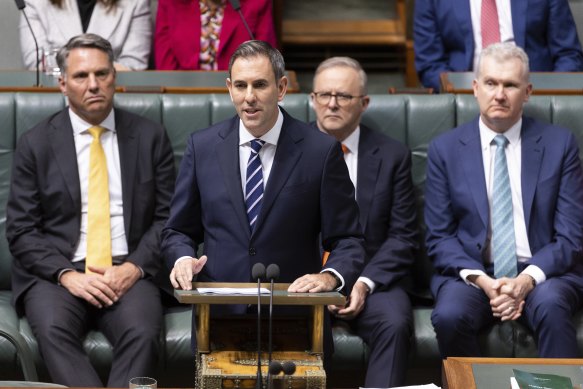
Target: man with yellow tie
(90, 192)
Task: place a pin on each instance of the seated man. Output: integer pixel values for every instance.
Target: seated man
(504, 214)
(90, 191)
(380, 169)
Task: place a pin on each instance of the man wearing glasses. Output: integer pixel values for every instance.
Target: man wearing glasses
(380, 169)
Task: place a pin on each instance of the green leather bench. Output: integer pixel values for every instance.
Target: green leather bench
(412, 119)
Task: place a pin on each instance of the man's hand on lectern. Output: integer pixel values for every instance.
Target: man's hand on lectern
(184, 270)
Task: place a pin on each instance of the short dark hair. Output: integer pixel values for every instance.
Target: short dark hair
(90, 41)
(257, 48)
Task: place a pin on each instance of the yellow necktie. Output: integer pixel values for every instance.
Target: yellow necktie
(98, 218)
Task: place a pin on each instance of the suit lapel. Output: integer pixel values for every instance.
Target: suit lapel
(228, 156)
(66, 19)
(286, 157)
(368, 171)
(464, 19)
(127, 141)
(532, 155)
(60, 133)
(518, 10)
(101, 13)
(470, 152)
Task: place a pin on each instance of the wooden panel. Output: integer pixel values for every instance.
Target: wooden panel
(381, 32)
(234, 369)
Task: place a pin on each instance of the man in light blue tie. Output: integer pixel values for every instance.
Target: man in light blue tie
(504, 215)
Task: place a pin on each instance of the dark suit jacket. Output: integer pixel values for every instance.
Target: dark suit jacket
(178, 29)
(457, 210)
(444, 40)
(43, 214)
(308, 192)
(387, 207)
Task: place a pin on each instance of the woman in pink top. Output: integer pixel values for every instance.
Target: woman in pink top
(193, 35)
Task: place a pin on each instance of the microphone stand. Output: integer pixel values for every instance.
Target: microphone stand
(258, 272)
(20, 4)
(272, 274)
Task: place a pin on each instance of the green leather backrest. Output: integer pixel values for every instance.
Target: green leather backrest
(412, 119)
(7, 141)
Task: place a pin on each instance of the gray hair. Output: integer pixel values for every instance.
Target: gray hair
(502, 52)
(90, 41)
(346, 62)
(257, 48)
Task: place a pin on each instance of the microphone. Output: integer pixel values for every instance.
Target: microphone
(258, 272)
(236, 4)
(272, 274)
(21, 5)
(288, 367)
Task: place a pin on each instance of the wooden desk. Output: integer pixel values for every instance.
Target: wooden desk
(487, 373)
(280, 297)
(148, 81)
(543, 83)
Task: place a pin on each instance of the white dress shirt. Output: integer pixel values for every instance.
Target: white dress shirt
(83, 140)
(513, 153)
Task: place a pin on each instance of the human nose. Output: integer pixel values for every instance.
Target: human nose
(500, 92)
(250, 94)
(92, 80)
(333, 102)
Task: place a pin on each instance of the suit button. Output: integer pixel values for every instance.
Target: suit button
(252, 251)
(479, 246)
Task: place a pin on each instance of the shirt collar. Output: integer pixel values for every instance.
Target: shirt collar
(352, 140)
(487, 135)
(80, 126)
(271, 136)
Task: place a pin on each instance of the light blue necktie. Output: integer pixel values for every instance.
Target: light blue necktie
(503, 240)
(254, 183)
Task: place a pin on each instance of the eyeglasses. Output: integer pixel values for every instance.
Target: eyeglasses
(342, 100)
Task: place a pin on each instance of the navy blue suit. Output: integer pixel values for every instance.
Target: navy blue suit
(457, 218)
(444, 40)
(308, 193)
(386, 201)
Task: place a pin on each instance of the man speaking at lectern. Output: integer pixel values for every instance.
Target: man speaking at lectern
(263, 187)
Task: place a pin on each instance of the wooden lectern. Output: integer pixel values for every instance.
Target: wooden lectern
(226, 366)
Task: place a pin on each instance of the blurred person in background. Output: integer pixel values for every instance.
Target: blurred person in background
(202, 35)
(449, 35)
(126, 24)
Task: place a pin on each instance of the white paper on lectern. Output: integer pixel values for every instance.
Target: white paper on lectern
(513, 383)
(427, 386)
(244, 291)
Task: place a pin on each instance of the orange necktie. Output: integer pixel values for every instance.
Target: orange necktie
(98, 216)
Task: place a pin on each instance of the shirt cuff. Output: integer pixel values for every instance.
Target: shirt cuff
(465, 273)
(181, 259)
(61, 274)
(337, 275)
(370, 283)
(536, 273)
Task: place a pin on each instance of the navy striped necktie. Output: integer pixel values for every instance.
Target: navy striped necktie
(254, 183)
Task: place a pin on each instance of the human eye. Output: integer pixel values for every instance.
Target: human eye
(343, 97)
(80, 76)
(260, 84)
(102, 74)
(240, 85)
